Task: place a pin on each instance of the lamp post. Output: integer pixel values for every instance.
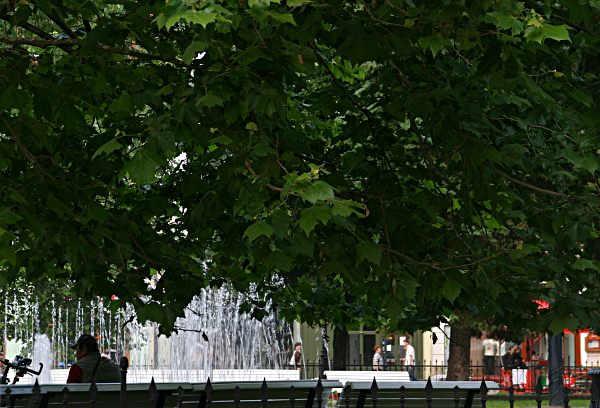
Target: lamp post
(324, 361)
(555, 370)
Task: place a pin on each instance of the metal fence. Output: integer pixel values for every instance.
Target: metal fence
(575, 378)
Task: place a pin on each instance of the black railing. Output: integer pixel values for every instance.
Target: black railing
(574, 377)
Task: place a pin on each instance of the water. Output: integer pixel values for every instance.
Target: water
(212, 336)
(42, 353)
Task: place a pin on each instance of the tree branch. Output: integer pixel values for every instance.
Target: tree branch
(25, 152)
(35, 30)
(73, 41)
(529, 186)
(338, 83)
(408, 258)
(272, 187)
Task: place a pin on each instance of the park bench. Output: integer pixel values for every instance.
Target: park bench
(235, 394)
(345, 376)
(306, 394)
(415, 394)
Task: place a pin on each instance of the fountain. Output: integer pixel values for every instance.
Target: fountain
(212, 340)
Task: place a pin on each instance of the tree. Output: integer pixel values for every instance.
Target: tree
(445, 162)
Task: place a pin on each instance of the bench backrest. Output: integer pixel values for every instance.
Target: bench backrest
(345, 376)
(415, 394)
(223, 395)
(278, 394)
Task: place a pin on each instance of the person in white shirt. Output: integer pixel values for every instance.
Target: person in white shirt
(490, 351)
(409, 360)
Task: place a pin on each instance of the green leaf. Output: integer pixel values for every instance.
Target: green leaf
(258, 228)
(435, 42)
(210, 100)
(56, 205)
(369, 251)
(562, 322)
(8, 217)
(517, 101)
(278, 260)
(539, 34)
(319, 190)
(583, 264)
(192, 51)
(506, 21)
(311, 216)
(143, 165)
(451, 290)
(582, 97)
(300, 245)
(108, 147)
(223, 139)
(151, 311)
(14, 98)
(280, 221)
(7, 253)
(286, 18)
(190, 16)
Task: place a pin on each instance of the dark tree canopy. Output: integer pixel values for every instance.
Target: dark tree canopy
(386, 161)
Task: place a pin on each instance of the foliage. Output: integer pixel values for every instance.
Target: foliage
(391, 161)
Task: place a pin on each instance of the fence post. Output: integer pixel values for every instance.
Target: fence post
(484, 391)
(264, 389)
(65, 397)
(429, 392)
(93, 393)
(319, 392)
(152, 390)
(402, 400)
(347, 391)
(124, 365)
(566, 399)
(374, 390)
(292, 396)
(236, 393)
(36, 391)
(456, 396)
(180, 397)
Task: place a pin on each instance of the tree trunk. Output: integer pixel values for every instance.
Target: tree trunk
(459, 355)
(340, 345)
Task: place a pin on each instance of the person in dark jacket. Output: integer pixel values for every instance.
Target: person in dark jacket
(90, 365)
(296, 357)
(506, 357)
(518, 366)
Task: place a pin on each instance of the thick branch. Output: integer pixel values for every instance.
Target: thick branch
(408, 258)
(73, 41)
(529, 186)
(338, 83)
(25, 152)
(33, 29)
(272, 187)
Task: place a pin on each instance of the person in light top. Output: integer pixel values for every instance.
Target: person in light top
(409, 360)
(377, 359)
